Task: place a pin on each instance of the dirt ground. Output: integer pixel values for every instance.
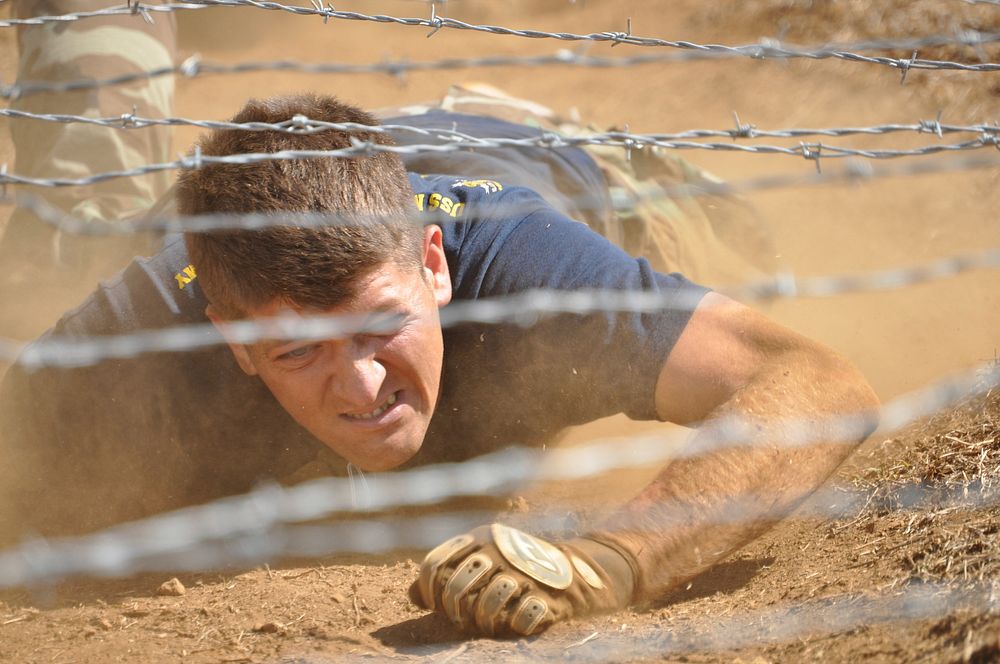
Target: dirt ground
(888, 583)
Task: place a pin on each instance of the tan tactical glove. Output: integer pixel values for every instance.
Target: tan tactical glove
(499, 580)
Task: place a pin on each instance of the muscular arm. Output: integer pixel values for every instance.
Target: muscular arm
(731, 361)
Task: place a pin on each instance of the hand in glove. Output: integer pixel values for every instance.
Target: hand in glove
(499, 580)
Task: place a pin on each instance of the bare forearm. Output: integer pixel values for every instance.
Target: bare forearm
(714, 499)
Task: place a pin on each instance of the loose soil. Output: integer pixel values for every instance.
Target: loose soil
(890, 581)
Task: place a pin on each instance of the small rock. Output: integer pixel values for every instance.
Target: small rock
(517, 504)
(89, 632)
(316, 632)
(339, 598)
(268, 627)
(172, 588)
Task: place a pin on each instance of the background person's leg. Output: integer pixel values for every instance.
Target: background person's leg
(33, 256)
(667, 217)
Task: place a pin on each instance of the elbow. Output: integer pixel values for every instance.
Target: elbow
(850, 397)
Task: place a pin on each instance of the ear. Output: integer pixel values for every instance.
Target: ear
(240, 351)
(436, 265)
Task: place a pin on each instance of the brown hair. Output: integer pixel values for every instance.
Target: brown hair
(311, 267)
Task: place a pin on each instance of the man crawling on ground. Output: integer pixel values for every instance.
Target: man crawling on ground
(129, 437)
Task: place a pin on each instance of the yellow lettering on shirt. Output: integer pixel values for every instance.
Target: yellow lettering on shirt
(436, 201)
(185, 276)
(489, 186)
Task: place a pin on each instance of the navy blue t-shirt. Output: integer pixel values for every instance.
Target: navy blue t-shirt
(164, 429)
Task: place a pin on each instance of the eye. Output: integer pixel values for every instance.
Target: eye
(298, 353)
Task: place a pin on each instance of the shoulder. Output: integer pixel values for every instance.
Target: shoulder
(150, 292)
(487, 227)
(507, 239)
(567, 177)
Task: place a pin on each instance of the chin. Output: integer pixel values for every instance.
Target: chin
(390, 457)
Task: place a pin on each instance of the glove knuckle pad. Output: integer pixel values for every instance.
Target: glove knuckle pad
(433, 562)
(465, 576)
(493, 600)
(529, 615)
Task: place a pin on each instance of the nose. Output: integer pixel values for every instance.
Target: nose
(357, 379)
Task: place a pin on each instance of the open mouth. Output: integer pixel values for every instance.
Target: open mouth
(376, 412)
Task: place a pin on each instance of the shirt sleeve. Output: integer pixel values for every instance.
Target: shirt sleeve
(610, 360)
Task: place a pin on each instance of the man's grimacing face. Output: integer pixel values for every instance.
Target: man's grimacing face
(368, 397)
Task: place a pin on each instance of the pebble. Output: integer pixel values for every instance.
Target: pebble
(172, 588)
(268, 627)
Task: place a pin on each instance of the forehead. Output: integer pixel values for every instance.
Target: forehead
(389, 286)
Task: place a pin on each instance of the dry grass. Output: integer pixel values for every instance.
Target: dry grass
(955, 455)
(953, 463)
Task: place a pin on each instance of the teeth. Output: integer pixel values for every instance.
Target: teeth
(378, 411)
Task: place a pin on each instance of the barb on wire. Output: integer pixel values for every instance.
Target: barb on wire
(987, 139)
(524, 308)
(301, 124)
(256, 526)
(765, 49)
(127, 10)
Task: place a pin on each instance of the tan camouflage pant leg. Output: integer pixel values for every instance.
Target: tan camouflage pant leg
(713, 239)
(93, 49)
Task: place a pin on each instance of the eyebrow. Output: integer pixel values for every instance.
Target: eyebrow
(396, 310)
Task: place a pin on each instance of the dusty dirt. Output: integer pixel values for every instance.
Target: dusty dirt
(890, 579)
(814, 588)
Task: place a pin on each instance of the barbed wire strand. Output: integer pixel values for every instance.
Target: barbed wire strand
(765, 49)
(525, 308)
(301, 124)
(813, 151)
(247, 528)
(194, 67)
(854, 172)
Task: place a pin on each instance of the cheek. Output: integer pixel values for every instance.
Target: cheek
(300, 393)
